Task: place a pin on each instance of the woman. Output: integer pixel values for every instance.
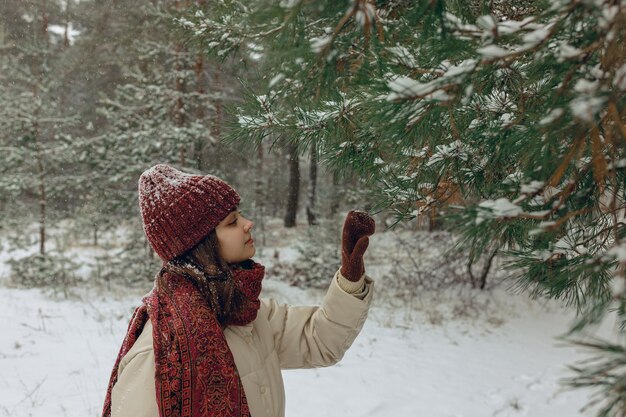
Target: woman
(202, 343)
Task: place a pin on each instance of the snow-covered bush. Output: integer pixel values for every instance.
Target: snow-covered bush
(130, 266)
(319, 256)
(53, 271)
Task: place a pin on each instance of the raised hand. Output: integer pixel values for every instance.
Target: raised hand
(357, 228)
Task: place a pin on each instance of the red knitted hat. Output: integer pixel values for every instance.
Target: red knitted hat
(178, 210)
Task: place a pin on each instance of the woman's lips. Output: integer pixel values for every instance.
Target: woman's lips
(250, 241)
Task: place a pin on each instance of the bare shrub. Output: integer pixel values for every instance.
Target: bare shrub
(419, 264)
(429, 261)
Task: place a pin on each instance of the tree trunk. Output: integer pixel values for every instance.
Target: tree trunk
(310, 210)
(66, 44)
(217, 90)
(42, 191)
(484, 273)
(294, 187)
(334, 204)
(44, 24)
(66, 37)
(199, 142)
(38, 81)
(179, 116)
(179, 88)
(260, 194)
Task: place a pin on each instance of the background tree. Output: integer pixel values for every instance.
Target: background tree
(35, 125)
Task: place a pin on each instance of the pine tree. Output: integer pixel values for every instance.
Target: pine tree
(520, 111)
(150, 117)
(36, 133)
(35, 136)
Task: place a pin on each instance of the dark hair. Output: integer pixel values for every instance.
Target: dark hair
(205, 268)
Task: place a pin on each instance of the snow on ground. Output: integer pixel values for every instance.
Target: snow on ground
(501, 359)
(445, 370)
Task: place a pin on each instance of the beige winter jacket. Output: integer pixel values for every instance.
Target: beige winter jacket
(281, 337)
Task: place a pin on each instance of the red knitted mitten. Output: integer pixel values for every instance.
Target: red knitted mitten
(356, 229)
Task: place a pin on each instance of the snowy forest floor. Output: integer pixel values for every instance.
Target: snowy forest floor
(455, 352)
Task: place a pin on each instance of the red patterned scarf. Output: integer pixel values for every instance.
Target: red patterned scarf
(195, 370)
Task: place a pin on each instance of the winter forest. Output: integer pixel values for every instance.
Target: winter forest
(486, 138)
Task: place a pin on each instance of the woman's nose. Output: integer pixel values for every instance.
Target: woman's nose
(250, 225)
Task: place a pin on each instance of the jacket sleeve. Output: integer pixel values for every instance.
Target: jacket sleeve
(316, 336)
(134, 393)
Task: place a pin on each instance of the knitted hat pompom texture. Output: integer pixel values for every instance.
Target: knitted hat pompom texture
(178, 209)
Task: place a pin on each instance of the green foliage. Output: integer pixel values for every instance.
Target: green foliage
(37, 129)
(604, 373)
(50, 270)
(518, 122)
(129, 267)
(413, 97)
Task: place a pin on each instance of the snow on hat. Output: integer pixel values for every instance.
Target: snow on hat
(178, 210)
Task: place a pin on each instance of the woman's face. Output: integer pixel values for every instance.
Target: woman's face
(234, 237)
